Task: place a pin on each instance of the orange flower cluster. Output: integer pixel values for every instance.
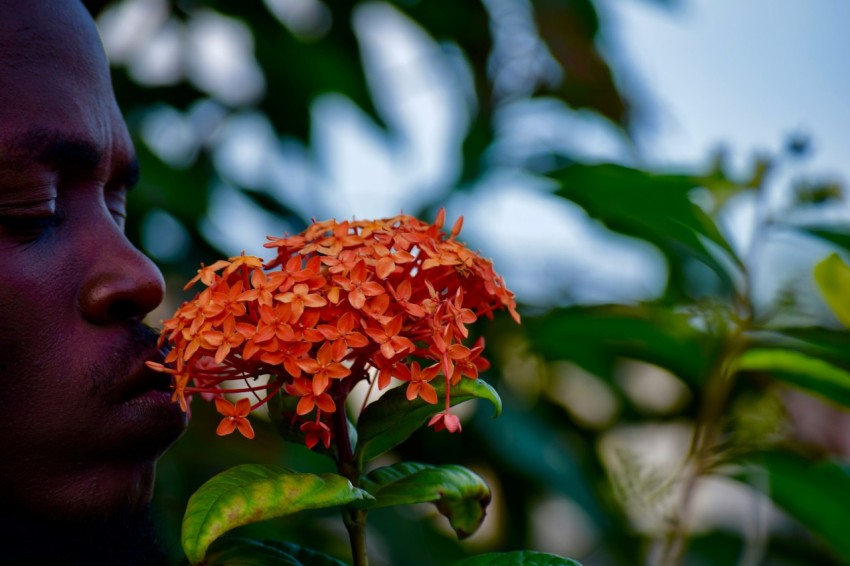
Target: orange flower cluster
(340, 303)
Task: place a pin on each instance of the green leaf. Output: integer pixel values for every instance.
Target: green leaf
(570, 32)
(250, 493)
(800, 370)
(391, 419)
(816, 493)
(597, 337)
(236, 551)
(833, 278)
(518, 558)
(528, 445)
(824, 343)
(458, 493)
(838, 235)
(656, 208)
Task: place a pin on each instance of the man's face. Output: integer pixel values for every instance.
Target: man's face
(84, 421)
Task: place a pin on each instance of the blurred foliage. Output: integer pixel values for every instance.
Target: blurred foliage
(619, 418)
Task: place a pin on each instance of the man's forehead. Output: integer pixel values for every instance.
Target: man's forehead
(43, 26)
(34, 15)
(56, 101)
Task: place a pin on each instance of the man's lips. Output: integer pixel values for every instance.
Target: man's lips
(143, 379)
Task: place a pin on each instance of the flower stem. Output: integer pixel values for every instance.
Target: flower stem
(344, 451)
(354, 519)
(355, 523)
(704, 444)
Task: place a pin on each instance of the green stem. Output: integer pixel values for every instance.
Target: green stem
(344, 452)
(354, 519)
(355, 524)
(702, 454)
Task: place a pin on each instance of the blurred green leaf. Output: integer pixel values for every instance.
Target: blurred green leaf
(519, 558)
(297, 71)
(597, 337)
(459, 494)
(817, 494)
(250, 493)
(837, 235)
(833, 278)
(273, 205)
(182, 192)
(392, 419)
(800, 370)
(236, 551)
(570, 30)
(817, 192)
(656, 208)
(541, 454)
(826, 343)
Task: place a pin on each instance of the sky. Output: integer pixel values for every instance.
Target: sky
(742, 73)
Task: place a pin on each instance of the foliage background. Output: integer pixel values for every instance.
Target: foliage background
(631, 424)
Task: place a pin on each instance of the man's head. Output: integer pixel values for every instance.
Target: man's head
(84, 420)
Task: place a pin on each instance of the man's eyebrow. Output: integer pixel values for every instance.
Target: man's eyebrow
(58, 149)
(70, 153)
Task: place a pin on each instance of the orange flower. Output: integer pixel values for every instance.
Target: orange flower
(388, 338)
(390, 262)
(303, 387)
(323, 368)
(207, 275)
(336, 240)
(249, 261)
(403, 295)
(299, 298)
(228, 300)
(263, 287)
(445, 421)
(234, 417)
(316, 431)
(467, 362)
(358, 286)
(376, 308)
(343, 336)
(286, 354)
(338, 303)
(459, 316)
(419, 386)
(224, 341)
(275, 322)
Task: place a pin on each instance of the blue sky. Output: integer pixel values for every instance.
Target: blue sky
(744, 73)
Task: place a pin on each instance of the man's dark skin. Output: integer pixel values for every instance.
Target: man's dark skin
(85, 421)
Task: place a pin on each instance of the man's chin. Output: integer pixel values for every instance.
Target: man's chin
(90, 492)
(126, 537)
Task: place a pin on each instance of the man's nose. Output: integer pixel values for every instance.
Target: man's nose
(122, 283)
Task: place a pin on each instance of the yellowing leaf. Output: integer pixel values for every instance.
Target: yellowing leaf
(251, 493)
(832, 276)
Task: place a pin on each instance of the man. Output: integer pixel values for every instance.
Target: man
(84, 420)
